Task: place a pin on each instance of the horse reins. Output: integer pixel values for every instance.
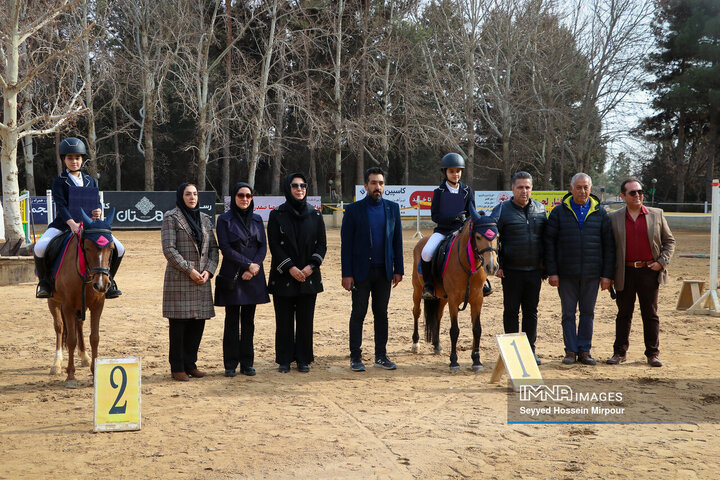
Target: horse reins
(481, 260)
(91, 272)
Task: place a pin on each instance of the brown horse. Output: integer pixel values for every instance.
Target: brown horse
(472, 257)
(81, 283)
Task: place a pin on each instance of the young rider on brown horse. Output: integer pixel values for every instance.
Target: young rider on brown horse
(73, 154)
(453, 202)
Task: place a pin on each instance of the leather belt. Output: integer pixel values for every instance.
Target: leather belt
(639, 264)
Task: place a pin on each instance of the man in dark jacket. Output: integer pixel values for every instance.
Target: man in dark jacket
(579, 256)
(372, 261)
(521, 224)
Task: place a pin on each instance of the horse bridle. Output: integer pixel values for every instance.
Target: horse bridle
(87, 278)
(478, 253)
(480, 260)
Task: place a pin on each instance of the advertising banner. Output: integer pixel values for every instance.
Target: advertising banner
(407, 196)
(264, 205)
(146, 209)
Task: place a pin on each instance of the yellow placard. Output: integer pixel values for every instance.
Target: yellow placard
(517, 359)
(117, 394)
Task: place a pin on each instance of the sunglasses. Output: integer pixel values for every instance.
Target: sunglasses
(635, 193)
(244, 195)
(298, 185)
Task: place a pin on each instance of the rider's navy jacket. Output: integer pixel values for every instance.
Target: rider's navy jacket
(446, 206)
(356, 239)
(60, 192)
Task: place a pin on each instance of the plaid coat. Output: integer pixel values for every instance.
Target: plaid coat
(182, 297)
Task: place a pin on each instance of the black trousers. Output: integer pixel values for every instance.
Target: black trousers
(643, 284)
(521, 290)
(294, 329)
(185, 337)
(238, 336)
(379, 287)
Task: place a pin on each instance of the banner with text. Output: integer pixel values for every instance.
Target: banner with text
(408, 196)
(147, 209)
(264, 205)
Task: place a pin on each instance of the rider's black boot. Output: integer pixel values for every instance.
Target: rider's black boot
(428, 287)
(487, 288)
(43, 290)
(114, 291)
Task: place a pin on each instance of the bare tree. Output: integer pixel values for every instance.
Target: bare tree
(20, 23)
(451, 60)
(614, 37)
(258, 121)
(149, 47)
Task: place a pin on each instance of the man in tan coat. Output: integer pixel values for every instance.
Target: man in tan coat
(644, 245)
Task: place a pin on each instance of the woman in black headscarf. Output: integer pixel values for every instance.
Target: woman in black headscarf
(189, 245)
(296, 235)
(240, 285)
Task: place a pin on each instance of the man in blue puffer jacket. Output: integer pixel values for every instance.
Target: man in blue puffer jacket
(579, 256)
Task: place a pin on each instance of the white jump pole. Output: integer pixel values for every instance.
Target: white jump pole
(708, 303)
(49, 206)
(418, 233)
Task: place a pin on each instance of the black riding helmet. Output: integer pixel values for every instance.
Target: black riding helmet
(72, 146)
(452, 160)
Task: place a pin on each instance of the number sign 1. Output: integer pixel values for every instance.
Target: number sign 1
(517, 358)
(117, 394)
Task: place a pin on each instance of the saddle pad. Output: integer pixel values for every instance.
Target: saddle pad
(60, 258)
(440, 257)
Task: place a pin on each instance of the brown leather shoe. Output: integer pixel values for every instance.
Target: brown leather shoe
(586, 359)
(569, 358)
(196, 373)
(180, 376)
(654, 361)
(616, 359)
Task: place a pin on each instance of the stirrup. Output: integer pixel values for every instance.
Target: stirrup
(428, 292)
(43, 292)
(113, 291)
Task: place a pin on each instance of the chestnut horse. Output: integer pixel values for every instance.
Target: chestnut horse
(80, 284)
(472, 257)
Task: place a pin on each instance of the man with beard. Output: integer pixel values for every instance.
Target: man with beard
(372, 262)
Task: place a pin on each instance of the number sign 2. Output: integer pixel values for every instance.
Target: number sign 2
(516, 357)
(117, 394)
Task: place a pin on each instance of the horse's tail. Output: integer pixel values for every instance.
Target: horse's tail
(432, 324)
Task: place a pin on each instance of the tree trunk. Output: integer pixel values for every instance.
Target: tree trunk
(277, 160)
(338, 101)
(406, 153)
(362, 96)
(116, 149)
(507, 166)
(9, 136)
(314, 188)
(58, 160)
(260, 114)
(149, 124)
(226, 120)
(28, 154)
(682, 164)
(91, 166)
(204, 132)
(710, 172)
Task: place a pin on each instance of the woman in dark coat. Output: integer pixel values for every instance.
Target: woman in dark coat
(296, 235)
(241, 236)
(189, 245)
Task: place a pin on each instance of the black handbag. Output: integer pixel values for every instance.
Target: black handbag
(226, 283)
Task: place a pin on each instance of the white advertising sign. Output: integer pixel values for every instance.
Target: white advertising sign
(407, 196)
(264, 205)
